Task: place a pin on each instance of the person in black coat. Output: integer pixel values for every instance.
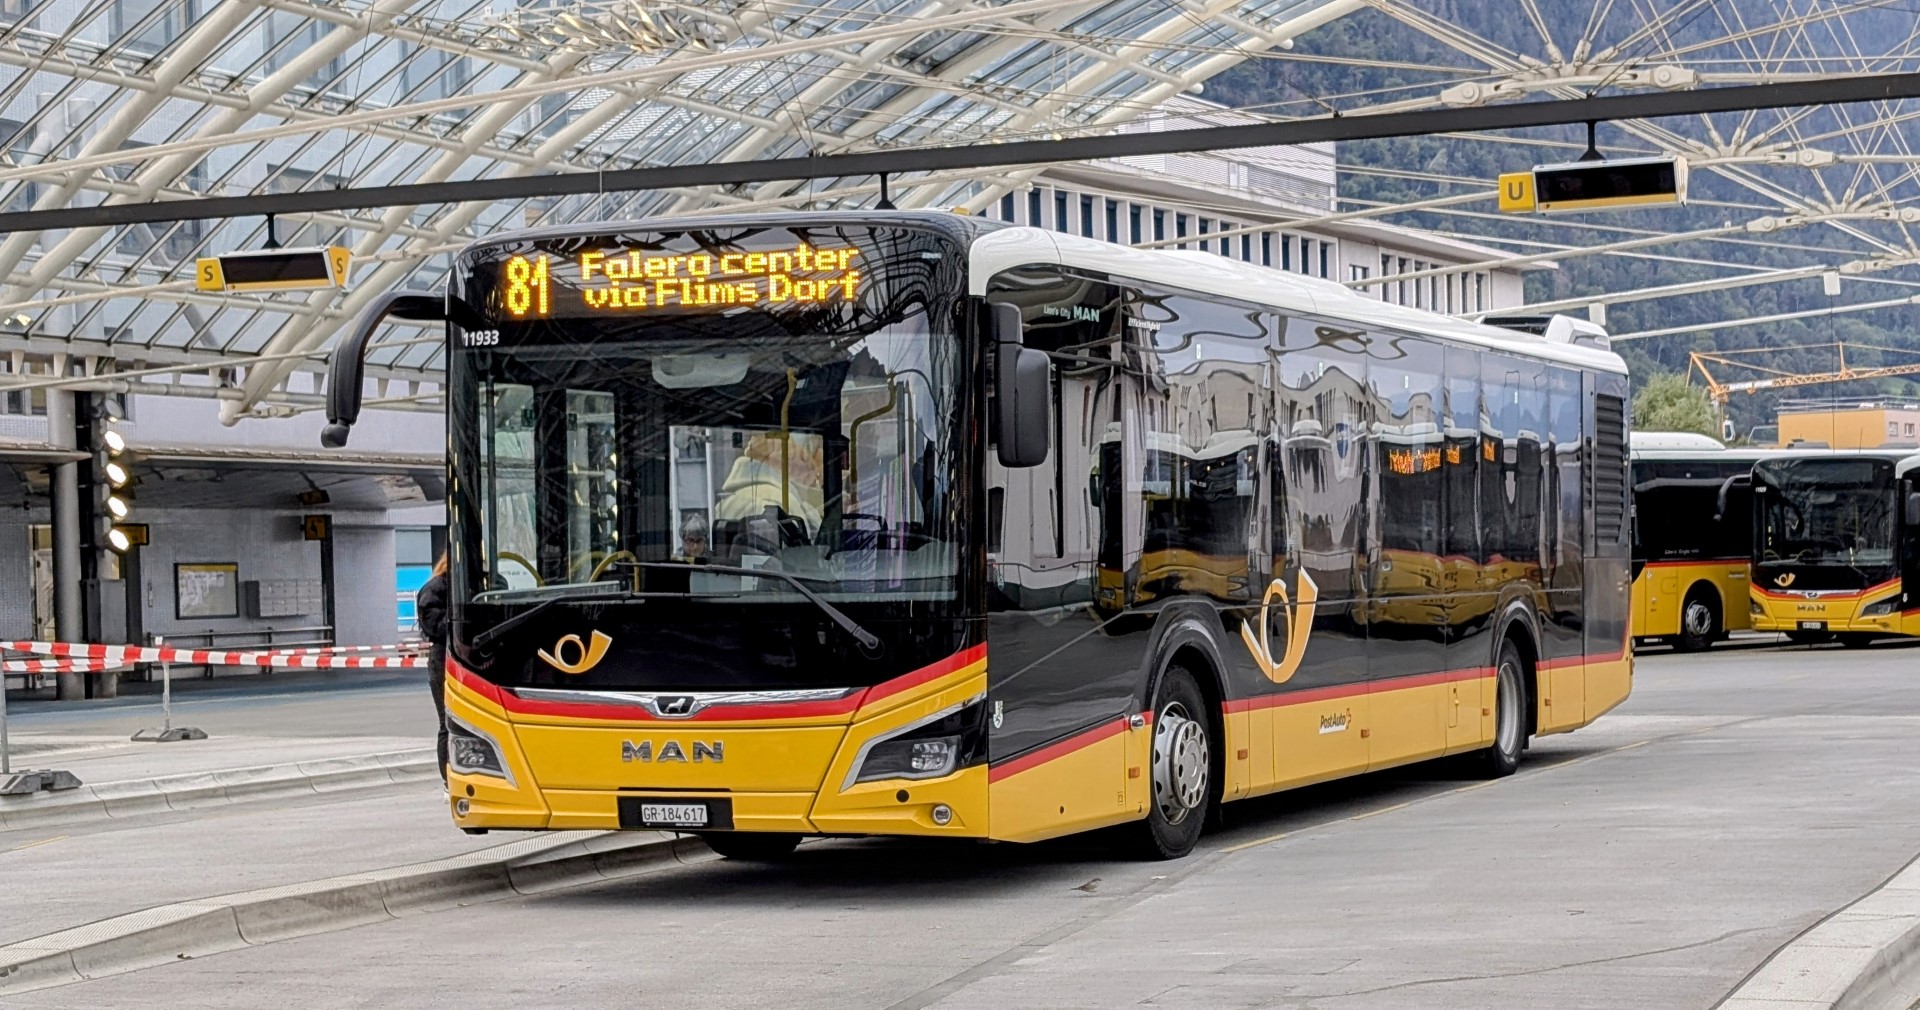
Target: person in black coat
(430, 613)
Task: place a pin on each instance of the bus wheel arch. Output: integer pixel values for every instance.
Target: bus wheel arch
(1702, 618)
(1518, 629)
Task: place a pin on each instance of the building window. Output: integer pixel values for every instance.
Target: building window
(1246, 248)
(1006, 208)
(1113, 221)
(1159, 225)
(1034, 209)
(1356, 272)
(1893, 428)
(1909, 427)
(1059, 210)
(1205, 246)
(1180, 228)
(1286, 252)
(1326, 259)
(1266, 248)
(1480, 303)
(1133, 223)
(1086, 217)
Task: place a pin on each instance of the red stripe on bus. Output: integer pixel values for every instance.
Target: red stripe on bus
(1054, 751)
(1825, 594)
(724, 713)
(925, 675)
(1337, 691)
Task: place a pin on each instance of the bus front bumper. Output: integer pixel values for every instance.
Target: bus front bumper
(793, 776)
(1879, 615)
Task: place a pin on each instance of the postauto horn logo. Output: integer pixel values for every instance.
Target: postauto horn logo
(1299, 625)
(585, 656)
(1784, 579)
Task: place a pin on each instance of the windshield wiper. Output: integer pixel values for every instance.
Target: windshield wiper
(867, 639)
(510, 625)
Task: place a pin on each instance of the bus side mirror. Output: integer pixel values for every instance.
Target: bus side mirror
(1726, 488)
(347, 368)
(1023, 383)
(1913, 508)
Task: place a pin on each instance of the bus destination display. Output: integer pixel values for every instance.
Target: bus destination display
(628, 281)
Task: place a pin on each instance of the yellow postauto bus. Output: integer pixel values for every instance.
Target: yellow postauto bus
(1836, 545)
(867, 523)
(1693, 532)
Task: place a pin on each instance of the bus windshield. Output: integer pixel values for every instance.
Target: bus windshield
(1826, 512)
(659, 420)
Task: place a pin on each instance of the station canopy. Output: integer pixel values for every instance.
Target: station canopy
(157, 100)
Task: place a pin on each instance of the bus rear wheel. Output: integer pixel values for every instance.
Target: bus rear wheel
(752, 846)
(1502, 757)
(1699, 621)
(1182, 780)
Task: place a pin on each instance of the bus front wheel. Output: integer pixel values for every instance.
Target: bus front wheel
(1182, 781)
(1699, 622)
(752, 846)
(1509, 714)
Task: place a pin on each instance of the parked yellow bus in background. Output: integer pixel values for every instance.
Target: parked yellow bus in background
(1693, 534)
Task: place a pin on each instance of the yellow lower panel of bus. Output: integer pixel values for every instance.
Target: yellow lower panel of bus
(680, 756)
(1090, 780)
(577, 810)
(1563, 695)
(1663, 586)
(1608, 682)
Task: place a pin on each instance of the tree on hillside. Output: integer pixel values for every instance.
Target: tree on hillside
(1668, 403)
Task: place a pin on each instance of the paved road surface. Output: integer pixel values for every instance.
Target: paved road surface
(1651, 860)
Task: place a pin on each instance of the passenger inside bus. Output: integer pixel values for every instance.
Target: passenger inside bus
(772, 497)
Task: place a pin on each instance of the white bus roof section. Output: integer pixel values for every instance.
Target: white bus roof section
(1203, 273)
(1687, 440)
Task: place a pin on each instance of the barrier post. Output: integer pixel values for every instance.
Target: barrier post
(30, 781)
(167, 733)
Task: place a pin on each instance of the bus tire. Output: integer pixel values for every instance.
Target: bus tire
(1502, 757)
(1182, 779)
(751, 846)
(1699, 620)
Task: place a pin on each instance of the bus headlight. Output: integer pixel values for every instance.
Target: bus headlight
(911, 759)
(1880, 608)
(938, 745)
(472, 752)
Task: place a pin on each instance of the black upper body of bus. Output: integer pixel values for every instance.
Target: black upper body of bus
(740, 452)
(1832, 521)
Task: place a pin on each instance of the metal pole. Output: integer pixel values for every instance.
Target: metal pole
(6, 755)
(166, 689)
(68, 605)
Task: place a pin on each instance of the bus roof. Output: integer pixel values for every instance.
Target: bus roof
(1010, 247)
(1674, 440)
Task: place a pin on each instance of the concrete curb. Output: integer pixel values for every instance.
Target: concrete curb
(1862, 957)
(190, 929)
(135, 797)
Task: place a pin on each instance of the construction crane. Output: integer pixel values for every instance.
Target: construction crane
(1773, 378)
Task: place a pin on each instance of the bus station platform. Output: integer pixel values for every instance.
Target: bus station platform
(1770, 786)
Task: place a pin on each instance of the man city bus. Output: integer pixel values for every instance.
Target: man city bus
(1834, 545)
(942, 583)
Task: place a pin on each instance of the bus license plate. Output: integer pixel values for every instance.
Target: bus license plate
(673, 815)
(1813, 625)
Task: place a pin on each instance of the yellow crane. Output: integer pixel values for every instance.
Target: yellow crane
(1774, 378)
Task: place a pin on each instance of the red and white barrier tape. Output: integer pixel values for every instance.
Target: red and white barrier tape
(121, 655)
(334, 650)
(54, 666)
